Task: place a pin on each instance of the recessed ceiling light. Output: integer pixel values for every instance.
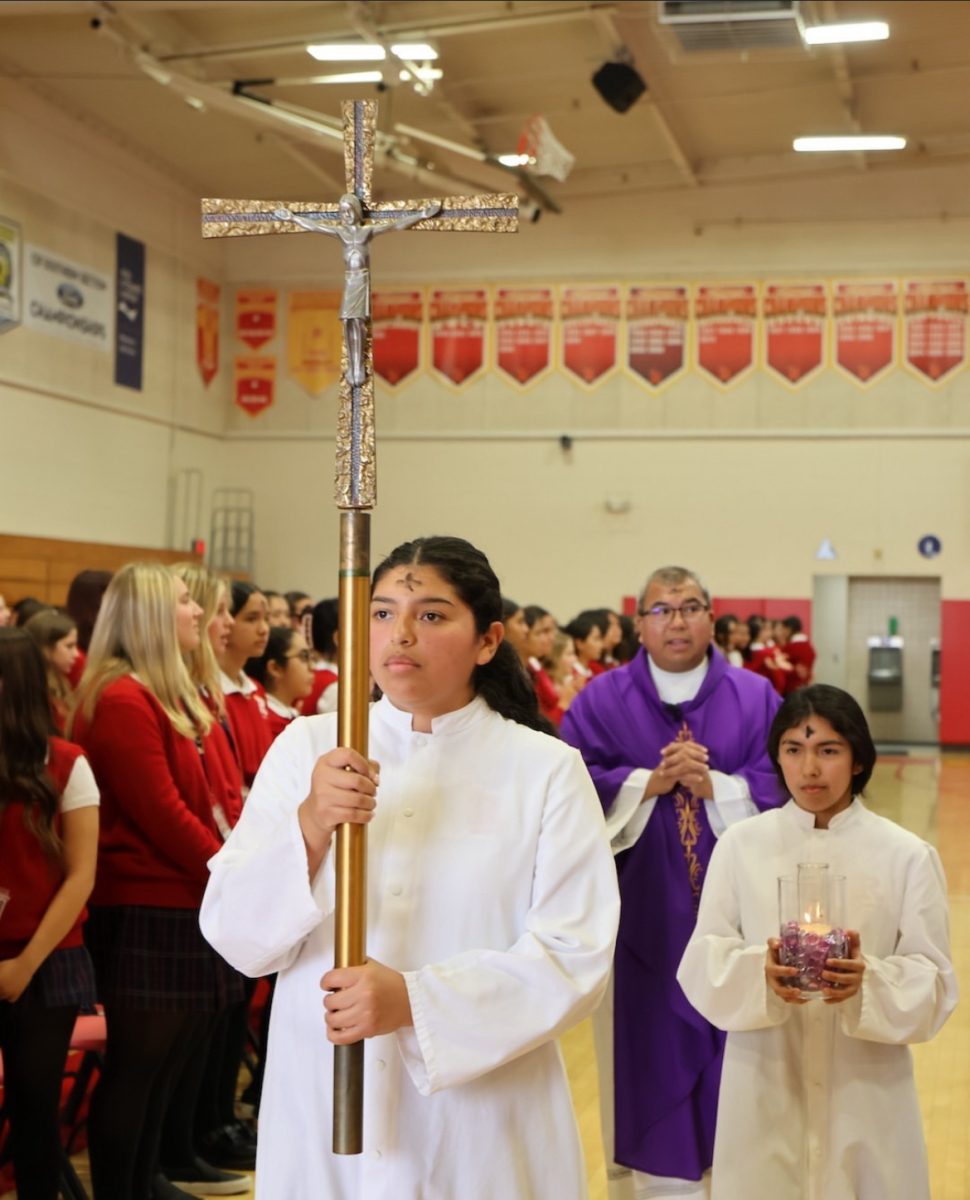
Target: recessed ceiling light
(414, 51)
(348, 52)
(425, 74)
(862, 141)
(860, 31)
(351, 77)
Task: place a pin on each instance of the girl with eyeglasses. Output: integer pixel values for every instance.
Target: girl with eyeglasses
(246, 710)
(285, 673)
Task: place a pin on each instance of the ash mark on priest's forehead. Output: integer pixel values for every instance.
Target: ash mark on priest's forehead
(809, 731)
(410, 581)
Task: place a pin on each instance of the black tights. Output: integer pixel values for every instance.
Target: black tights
(34, 1040)
(145, 1054)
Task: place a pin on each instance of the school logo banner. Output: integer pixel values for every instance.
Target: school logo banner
(256, 316)
(523, 333)
(255, 377)
(10, 274)
(459, 320)
(865, 315)
(313, 339)
(795, 320)
(935, 324)
(67, 300)
(396, 318)
(129, 310)
(590, 328)
(656, 333)
(726, 319)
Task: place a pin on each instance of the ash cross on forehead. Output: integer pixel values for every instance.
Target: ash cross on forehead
(410, 581)
(355, 220)
(809, 731)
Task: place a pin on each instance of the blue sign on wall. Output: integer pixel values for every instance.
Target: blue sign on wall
(929, 546)
(129, 311)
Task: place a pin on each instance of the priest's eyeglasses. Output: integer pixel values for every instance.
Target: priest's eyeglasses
(690, 610)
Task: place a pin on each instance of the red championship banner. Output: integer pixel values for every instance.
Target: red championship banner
(396, 334)
(523, 332)
(255, 382)
(795, 320)
(726, 315)
(207, 328)
(590, 319)
(459, 320)
(656, 321)
(256, 316)
(865, 318)
(314, 337)
(935, 324)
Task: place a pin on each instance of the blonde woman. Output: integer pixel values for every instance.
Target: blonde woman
(148, 735)
(56, 635)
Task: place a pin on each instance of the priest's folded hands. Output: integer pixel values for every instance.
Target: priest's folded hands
(844, 975)
(685, 763)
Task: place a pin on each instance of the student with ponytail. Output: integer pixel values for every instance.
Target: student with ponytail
(492, 900)
(48, 851)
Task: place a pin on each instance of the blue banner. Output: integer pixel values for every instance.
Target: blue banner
(130, 314)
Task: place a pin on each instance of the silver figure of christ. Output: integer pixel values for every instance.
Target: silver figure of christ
(355, 235)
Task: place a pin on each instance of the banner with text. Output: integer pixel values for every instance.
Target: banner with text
(523, 332)
(10, 274)
(207, 328)
(935, 321)
(396, 320)
(256, 316)
(795, 319)
(66, 299)
(255, 380)
(656, 322)
(865, 315)
(314, 337)
(129, 310)
(459, 320)
(726, 315)
(590, 317)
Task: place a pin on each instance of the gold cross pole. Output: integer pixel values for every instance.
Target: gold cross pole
(355, 220)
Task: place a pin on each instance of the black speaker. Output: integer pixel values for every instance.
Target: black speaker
(620, 85)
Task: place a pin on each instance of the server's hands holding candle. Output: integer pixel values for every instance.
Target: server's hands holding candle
(844, 975)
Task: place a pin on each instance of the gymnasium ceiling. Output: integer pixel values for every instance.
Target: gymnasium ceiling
(158, 75)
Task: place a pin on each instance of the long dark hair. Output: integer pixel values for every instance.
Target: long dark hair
(844, 715)
(84, 598)
(502, 683)
(277, 647)
(25, 729)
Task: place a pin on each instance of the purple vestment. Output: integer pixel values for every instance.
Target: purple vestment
(667, 1058)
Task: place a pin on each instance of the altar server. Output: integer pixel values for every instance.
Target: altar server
(818, 1098)
(492, 907)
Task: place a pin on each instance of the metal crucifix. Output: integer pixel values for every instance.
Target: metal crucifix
(356, 220)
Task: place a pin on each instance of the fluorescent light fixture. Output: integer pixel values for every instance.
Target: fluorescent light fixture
(351, 77)
(414, 51)
(515, 160)
(861, 31)
(862, 141)
(425, 74)
(348, 52)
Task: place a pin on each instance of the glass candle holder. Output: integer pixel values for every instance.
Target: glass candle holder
(811, 911)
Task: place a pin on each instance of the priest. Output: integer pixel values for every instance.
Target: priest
(676, 744)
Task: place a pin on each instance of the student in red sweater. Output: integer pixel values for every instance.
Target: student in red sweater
(164, 795)
(323, 634)
(245, 703)
(285, 674)
(538, 646)
(56, 635)
(48, 852)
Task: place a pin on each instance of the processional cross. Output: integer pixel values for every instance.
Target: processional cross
(355, 220)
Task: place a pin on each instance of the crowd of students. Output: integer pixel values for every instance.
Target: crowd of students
(165, 831)
(149, 702)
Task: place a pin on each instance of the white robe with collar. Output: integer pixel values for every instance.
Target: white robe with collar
(491, 885)
(818, 1101)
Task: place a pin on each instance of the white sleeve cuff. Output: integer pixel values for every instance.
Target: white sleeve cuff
(732, 802)
(81, 789)
(630, 813)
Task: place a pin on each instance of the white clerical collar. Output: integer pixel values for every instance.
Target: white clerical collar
(447, 723)
(806, 820)
(677, 687)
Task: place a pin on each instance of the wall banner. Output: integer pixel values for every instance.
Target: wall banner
(129, 310)
(656, 333)
(795, 320)
(523, 333)
(726, 316)
(256, 316)
(207, 328)
(396, 320)
(10, 274)
(314, 337)
(590, 318)
(865, 316)
(459, 320)
(935, 324)
(66, 299)
(255, 377)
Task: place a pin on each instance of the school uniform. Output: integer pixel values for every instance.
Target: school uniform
(323, 694)
(249, 730)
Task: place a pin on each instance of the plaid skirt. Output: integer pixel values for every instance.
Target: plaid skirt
(156, 960)
(65, 979)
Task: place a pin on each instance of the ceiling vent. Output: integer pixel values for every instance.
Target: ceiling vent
(703, 26)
